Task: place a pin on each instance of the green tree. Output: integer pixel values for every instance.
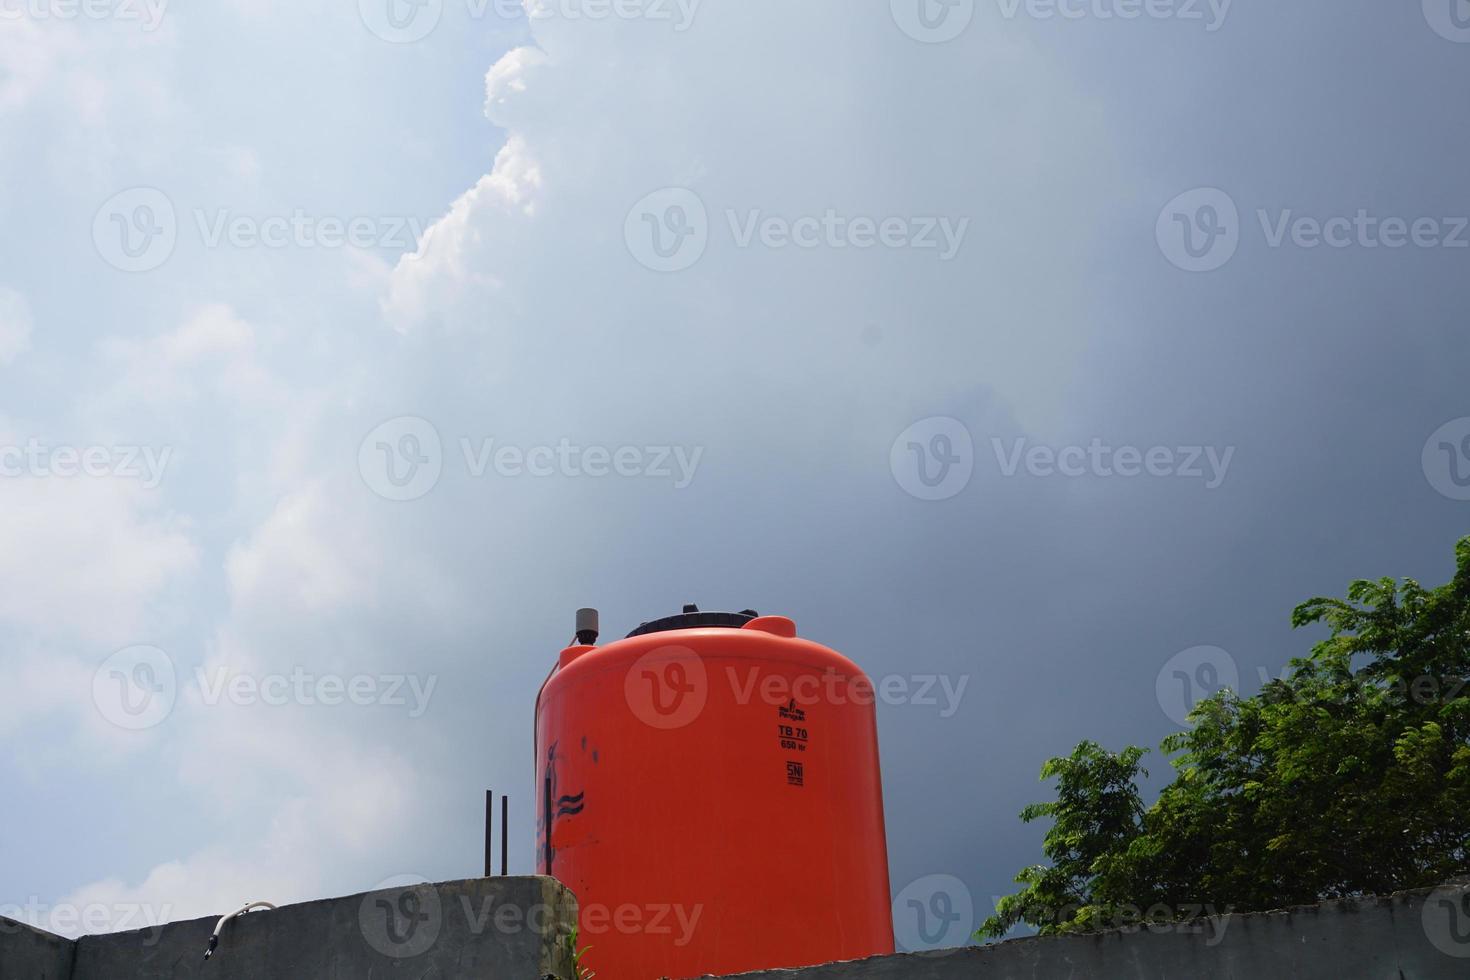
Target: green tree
(1349, 777)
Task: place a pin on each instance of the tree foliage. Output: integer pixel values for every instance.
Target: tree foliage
(1349, 777)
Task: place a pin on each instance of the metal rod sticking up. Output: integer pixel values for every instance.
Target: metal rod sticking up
(504, 835)
(489, 833)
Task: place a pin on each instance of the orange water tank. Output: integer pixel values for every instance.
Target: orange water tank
(710, 790)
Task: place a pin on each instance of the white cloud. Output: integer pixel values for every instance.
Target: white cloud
(304, 801)
(15, 325)
(452, 266)
(509, 79)
(91, 84)
(536, 250)
(29, 57)
(206, 884)
(92, 558)
(88, 566)
(214, 351)
(330, 809)
(295, 565)
(40, 683)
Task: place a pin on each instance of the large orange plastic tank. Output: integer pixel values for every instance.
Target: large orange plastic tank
(710, 790)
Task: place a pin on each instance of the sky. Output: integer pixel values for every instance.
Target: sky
(1040, 355)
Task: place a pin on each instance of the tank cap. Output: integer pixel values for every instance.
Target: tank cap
(692, 619)
(571, 653)
(775, 625)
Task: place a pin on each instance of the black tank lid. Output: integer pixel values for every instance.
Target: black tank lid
(692, 619)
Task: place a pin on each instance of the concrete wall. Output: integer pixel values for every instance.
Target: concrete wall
(1411, 936)
(513, 928)
(29, 954)
(486, 927)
